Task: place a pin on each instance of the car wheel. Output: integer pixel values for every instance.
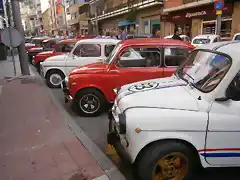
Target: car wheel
(90, 102)
(167, 160)
(54, 78)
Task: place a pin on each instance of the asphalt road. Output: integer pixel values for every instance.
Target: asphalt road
(96, 128)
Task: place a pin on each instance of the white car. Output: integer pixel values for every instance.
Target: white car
(86, 51)
(236, 37)
(171, 126)
(205, 39)
(183, 37)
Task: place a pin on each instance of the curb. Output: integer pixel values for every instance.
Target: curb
(110, 170)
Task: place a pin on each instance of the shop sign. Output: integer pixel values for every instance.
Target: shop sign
(194, 13)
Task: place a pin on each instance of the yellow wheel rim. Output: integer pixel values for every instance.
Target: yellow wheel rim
(173, 166)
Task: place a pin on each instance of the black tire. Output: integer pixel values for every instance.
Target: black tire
(147, 161)
(51, 73)
(38, 67)
(100, 101)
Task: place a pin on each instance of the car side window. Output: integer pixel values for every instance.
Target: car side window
(90, 50)
(174, 56)
(215, 40)
(108, 49)
(67, 47)
(233, 90)
(139, 57)
(76, 51)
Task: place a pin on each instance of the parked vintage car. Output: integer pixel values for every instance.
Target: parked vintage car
(183, 37)
(36, 42)
(47, 45)
(86, 51)
(171, 126)
(236, 37)
(63, 47)
(91, 86)
(205, 39)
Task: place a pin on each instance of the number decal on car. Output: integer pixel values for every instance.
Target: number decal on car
(143, 86)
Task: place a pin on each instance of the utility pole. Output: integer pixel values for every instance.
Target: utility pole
(218, 5)
(21, 49)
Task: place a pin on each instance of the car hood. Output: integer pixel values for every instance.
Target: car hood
(166, 93)
(90, 68)
(45, 53)
(57, 58)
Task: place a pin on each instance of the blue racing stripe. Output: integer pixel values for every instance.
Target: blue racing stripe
(233, 154)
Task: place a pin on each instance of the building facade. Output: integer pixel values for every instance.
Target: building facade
(196, 17)
(135, 16)
(32, 17)
(79, 12)
(47, 22)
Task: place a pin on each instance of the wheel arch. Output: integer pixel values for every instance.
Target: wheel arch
(54, 69)
(185, 142)
(90, 87)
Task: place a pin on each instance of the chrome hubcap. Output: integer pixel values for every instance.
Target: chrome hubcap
(55, 79)
(89, 103)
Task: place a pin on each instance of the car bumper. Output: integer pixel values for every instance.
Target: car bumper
(67, 96)
(116, 140)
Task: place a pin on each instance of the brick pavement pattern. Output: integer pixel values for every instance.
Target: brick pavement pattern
(35, 143)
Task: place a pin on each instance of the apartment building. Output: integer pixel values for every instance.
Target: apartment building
(196, 17)
(79, 11)
(47, 22)
(135, 16)
(32, 17)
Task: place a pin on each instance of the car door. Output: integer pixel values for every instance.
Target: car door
(83, 54)
(223, 142)
(173, 57)
(137, 63)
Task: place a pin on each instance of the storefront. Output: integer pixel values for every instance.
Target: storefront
(194, 22)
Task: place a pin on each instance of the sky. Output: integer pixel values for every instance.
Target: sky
(44, 5)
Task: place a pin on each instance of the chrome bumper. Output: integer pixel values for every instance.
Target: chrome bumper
(67, 96)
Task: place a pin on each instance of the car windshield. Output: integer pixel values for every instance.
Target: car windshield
(113, 54)
(201, 41)
(204, 69)
(37, 42)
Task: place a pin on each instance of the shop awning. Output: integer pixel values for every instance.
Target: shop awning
(126, 23)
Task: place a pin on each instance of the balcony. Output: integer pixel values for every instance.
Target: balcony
(126, 7)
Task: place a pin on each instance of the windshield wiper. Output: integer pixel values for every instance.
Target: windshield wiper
(189, 76)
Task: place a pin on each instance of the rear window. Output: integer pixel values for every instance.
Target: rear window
(65, 47)
(237, 38)
(201, 41)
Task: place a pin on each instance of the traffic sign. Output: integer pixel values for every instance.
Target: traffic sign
(11, 37)
(218, 12)
(219, 4)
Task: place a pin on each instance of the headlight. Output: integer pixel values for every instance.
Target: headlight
(122, 123)
(116, 90)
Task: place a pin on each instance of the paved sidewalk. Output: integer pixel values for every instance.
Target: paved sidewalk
(35, 143)
(7, 68)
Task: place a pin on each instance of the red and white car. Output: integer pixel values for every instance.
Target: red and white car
(63, 47)
(92, 86)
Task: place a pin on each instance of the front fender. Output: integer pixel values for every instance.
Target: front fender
(76, 87)
(163, 124)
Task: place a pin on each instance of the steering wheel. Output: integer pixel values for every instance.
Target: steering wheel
(235, 84)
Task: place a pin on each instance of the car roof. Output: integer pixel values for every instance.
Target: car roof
(68, 41)
(205, 36)
(40, 38)
(170, 36)
(98, 41)
(154, 41)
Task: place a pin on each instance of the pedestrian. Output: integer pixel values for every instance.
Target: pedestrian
(123, 34)
(176, 35)
(156, 33)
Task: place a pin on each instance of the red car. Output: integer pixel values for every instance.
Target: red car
(36, 42)
(92, 86)
(63, 47)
